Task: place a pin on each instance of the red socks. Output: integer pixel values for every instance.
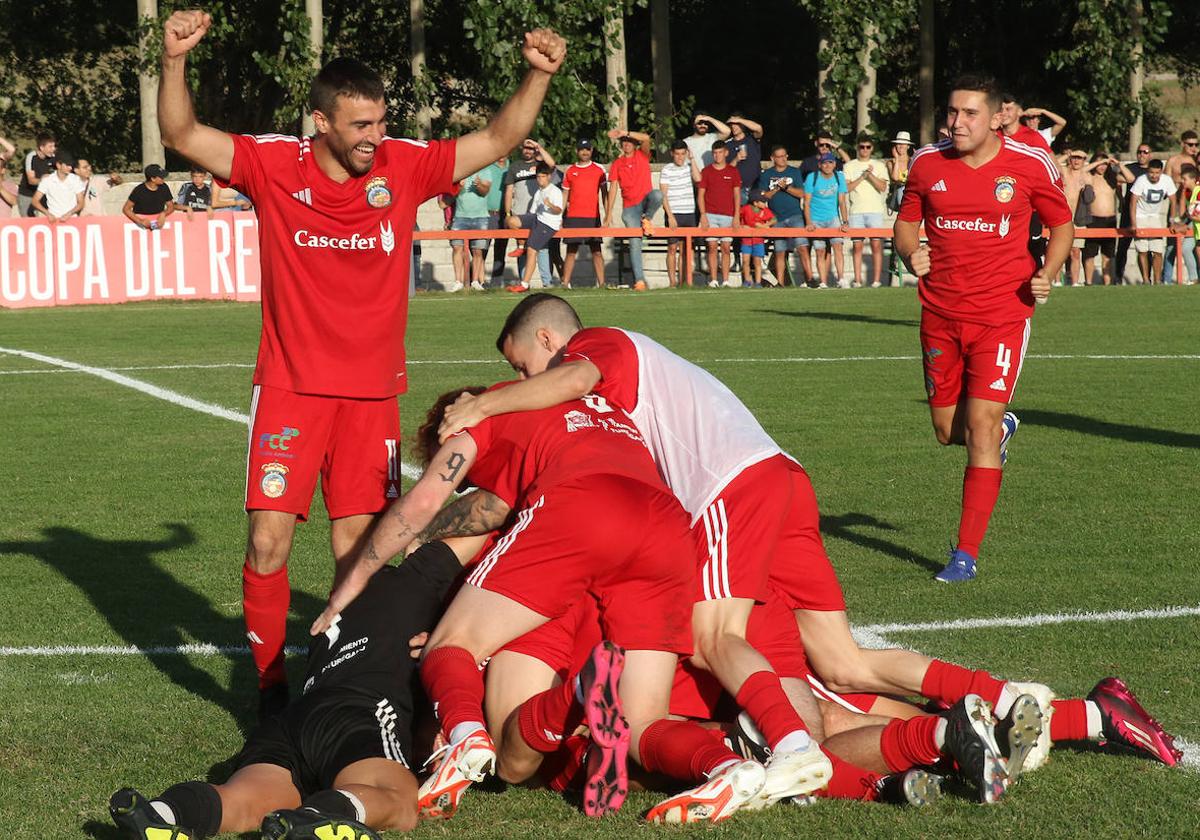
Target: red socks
(1069, 721)
(682, 750)
(981, 489)
(949, 683)
(546, 718)
(562, 770)
(265, 601)
(849, 782)
(764, 700)
(910, 743)
(455, 686)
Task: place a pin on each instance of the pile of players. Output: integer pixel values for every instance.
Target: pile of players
(647, 587)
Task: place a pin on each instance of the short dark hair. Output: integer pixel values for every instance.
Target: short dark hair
(344, 77)
(1189, 135)
(198, 170)
(544, 169)
(677, 145)
(1155, 164)
(46, 137)
(1005, 98)
(1188, 169)
(425, 445)
(863, 137)
(720, 144)
(823, 135)
(777, 147)
(985, 85)
(538, 307)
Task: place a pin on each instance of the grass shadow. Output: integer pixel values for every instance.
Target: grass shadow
(847, 526)
(1105, 428)
(849, 317)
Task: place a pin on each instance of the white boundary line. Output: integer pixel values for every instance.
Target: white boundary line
(788, 359)
(167, 395)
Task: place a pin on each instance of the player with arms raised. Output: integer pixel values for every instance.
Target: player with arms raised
(975, 192)
(335, 215)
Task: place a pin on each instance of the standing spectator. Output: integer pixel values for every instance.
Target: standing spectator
(471, 213)
(196, 194)
(584, 186)
(867, 183)
(677, 181)
(1079, 193)
(825, 144)
(149, 204)
(1187, 156)
(7, 150)
(38, 164)
(495, 204)
(59, 196)
(705, 130)
(1031, 118)
(520, 183)
(897, 166)
(745, 152)
(1151, 207)
(1011, 125)
(548, 218)
(95, 186)
(1190, 218)
(756, 215)
(784, 187)
(1103, 182)
(719, 197)
(825, 206)
(1189, 145)
(1127, 174)
(640, 201)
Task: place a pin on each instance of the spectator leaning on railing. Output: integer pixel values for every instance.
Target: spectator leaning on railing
(196, 194)
(150, 203)
(95, 186)
(825, 206)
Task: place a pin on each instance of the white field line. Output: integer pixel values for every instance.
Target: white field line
(788, 359)
(155, 391)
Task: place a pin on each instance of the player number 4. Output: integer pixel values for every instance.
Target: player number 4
(1003, 359)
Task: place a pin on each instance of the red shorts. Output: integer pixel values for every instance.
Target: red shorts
(352, 444)
(563, 643)
(764, 532)
(987, 360)
(772, 631)
(624, 542)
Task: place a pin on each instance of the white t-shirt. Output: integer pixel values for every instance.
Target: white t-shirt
(1153, 206)
(676, 183)
(1048, 134)
(700, 145)
(61, 193)
(545, 216)
(865, 198)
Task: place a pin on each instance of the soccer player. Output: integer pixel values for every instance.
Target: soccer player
(978, 282)
(339, 758)
(336, 212)
(635, 556)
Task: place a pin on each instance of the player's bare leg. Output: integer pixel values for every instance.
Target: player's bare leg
(513, 678)
(569, 264)
(386, 790)
(346, 537)
(806, 705)
(251, 793)
(266, 597)
(845, 667)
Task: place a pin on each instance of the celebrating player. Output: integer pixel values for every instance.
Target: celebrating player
(978, 282)
(336, 213)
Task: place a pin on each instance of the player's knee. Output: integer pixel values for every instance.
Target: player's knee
(266, 552)
(516, 770)
(943, 433)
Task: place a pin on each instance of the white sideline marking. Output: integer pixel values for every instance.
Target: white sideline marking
(203, 649)
(1191, 753)
(155, 391)
(883, 630)
(792, 359)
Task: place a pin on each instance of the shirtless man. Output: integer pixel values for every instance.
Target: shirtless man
(1076, 181)
(1103, 173)
(1189, 153)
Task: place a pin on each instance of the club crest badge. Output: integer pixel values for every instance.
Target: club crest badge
(1006, 188)
(378, 194)
(274, 480)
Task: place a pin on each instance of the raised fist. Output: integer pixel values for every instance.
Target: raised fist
(544, 49)
(183, 30)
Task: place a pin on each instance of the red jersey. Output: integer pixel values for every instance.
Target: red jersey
(1028, 136)
(632, 175)
(751, 216)
(584, 182)
(719, 186)
(336, 260)
(977, 222)
(523, 454)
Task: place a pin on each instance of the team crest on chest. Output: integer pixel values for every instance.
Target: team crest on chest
(1006, 188)
(378, 194)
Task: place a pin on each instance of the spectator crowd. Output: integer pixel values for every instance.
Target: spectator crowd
(717, 183)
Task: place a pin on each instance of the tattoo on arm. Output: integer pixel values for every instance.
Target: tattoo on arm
(454, 465)
(475, 513)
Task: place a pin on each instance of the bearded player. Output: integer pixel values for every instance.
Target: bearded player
(335, 215)
(975, 192)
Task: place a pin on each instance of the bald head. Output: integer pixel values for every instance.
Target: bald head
(539, 311)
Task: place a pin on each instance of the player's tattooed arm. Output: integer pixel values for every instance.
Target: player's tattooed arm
(475, 513)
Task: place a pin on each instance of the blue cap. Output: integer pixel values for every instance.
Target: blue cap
(826, 156)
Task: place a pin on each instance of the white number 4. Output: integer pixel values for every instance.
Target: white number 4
(1003, 359)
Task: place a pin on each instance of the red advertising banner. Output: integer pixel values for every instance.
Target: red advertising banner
(108, 259)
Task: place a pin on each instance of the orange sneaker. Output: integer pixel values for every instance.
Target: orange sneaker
(717, 799)
(468, 761)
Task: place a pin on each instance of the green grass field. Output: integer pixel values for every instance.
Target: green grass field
(123, 526)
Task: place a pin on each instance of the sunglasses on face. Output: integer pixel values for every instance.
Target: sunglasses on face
(1143, 151)
(868, 146)
(824, 145)
(1191, 143)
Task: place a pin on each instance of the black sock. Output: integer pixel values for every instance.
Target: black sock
(197, 806)
(331, 803)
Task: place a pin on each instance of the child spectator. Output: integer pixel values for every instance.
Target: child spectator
(59, 195)
(756, 215)
(547, 207)
(720, 198)
(150, 203)
(677, 181)
(196, 194)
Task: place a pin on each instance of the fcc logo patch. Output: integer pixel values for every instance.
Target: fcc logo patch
(378, 194)
(274, 480)
(1006, 188)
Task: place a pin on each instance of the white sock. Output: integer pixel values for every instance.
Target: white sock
(1008, 696)
(459, 733)
(163, 810)
(360, 811)
(720, 768)
(1094, 723)
(939, 734)
(796, 741)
